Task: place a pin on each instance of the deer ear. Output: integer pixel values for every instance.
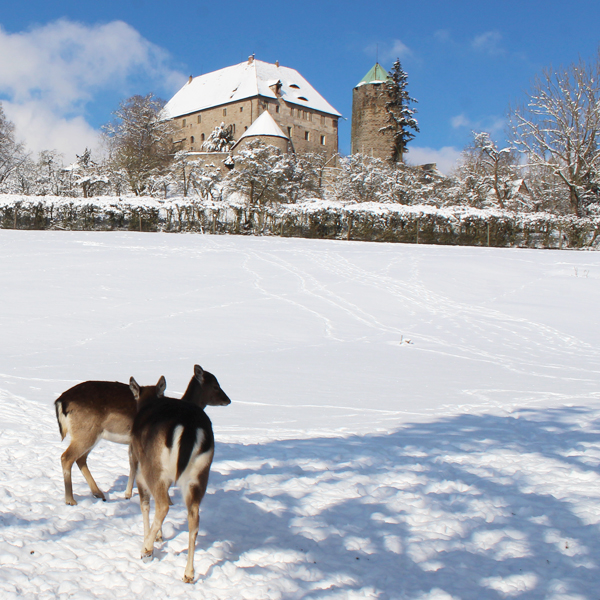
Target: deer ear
(199, 373)
(161, 386)
(135, 388)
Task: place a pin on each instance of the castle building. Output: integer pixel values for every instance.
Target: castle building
(240, 94)
(369, 115)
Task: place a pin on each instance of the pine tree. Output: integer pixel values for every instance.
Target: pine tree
(220, 139)
(400, 115)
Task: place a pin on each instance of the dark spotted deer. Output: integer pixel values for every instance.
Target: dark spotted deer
(173, 442)
(95, 410)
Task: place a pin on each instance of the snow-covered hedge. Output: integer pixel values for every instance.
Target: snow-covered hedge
(458, 225)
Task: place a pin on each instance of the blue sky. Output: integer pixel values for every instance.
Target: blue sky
(65, 66)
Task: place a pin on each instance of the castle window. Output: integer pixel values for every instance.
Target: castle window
(322, 140)
(246, 128)
(307, 136)
(224, 112)
(241, 109)
(201, 137)
(334, 123)
(199, 118)
(289, 132)
(322, 120)
(192, 139)
(277, 108)
(183, 123)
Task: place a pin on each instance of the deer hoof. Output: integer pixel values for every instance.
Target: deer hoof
(147, 556)
(71, 502)
(188, 579)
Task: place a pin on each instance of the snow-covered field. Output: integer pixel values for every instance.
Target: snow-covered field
(410, 422)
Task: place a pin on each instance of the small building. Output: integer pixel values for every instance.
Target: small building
(240, 94)
(369, 116)
(265, 129)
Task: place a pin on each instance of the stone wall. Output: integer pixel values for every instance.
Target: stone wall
(368, 117)
(309, 130)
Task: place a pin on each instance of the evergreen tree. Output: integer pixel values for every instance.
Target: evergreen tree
(220, 139)
(400, 115)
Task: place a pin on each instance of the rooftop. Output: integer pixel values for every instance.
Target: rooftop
(245, 80)
(377, 74)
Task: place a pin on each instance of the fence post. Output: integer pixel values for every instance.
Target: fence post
(418, 219)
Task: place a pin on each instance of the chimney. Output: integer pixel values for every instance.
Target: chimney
(190, 80)
(251, 59)
(276, 63)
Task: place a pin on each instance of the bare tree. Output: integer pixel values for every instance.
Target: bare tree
(489, 172)
(557, 128)
(140, 143)
(12, 155)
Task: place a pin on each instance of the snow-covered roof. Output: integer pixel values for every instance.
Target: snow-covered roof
(265, 125)
(245, 80)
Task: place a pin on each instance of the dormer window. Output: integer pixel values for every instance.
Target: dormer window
(294, 86)
(303, 98)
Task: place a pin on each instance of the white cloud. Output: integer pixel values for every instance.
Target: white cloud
(58, 69)
(491, 124)
(446, 158)
(388, 52)
(488, 42)
(443, 35)
(44, 129)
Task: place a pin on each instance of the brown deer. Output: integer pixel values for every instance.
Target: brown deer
(173, 442)
(95, 410)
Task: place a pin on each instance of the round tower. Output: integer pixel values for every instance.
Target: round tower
(369, 116)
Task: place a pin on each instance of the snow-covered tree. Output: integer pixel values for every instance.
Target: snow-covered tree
(400, 116)
(558, 129)
(360, 178)
(220, 139)
(258, 174)
(87, 174)
(140, 144)
(206, 180)
(12, 154)
(490, 173)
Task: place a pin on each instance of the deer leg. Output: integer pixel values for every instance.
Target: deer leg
(76, 449)
(194, 496)
(82, 464)
(133, 464)
(161, 508)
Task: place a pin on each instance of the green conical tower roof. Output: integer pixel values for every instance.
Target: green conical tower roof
(376, 74)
